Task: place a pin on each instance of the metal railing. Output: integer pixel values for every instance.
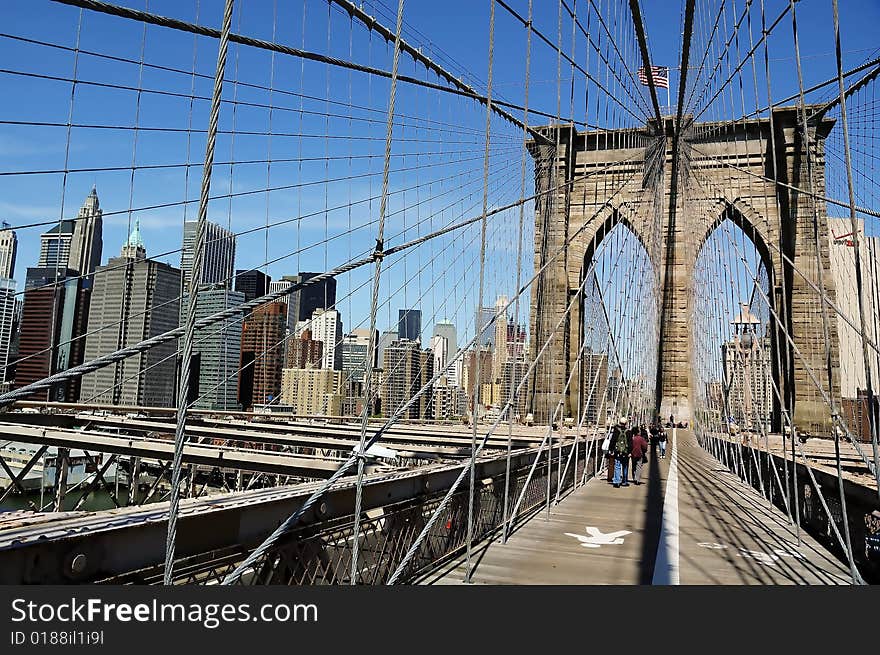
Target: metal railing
(320, 554)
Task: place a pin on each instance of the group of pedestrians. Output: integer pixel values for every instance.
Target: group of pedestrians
(625, 447)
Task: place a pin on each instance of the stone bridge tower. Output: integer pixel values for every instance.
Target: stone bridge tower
(589, 182)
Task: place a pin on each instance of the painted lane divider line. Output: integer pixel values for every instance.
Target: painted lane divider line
(666, 570)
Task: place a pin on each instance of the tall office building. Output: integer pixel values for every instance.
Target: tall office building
(303, 302)
(55, 245)
(216, 351)
(53, 315)
(312, 391)
(315, 296)
(8, 249)
(14, 341)
(385, 339)
(278, 285)
(447, 330)
(748, 373)
(355, 353)
(487, 335)
(326, 326)
(86, 243)
(438, 348)
(218, 257)
(7, 324)
(253, 284)
(407, 368)
(133, 298)
(499, 354)
(262, 355)
(449, 401)
(312, 297)
(469, 369)
(409, 324)
(512, 373)
(303, 351)
(843, 270)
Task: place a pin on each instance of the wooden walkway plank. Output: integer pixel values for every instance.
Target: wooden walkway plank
(726, 534)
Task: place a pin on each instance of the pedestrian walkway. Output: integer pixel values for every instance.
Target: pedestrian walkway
(691, 522)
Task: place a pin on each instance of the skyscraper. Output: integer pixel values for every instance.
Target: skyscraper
(487, 335)
(842, 260)
(262, 354)
(86, 243)
(7, 321)
(512, 373)
(303, 302)
(55, 245)
(355, 353)
(312, 391)
(304, 351)
(133, 298)
(447, 330)
(499, 354)
(326, 326)
(438, 352)
(748, 373)
(385, 339)
(218, 257)
(216, 351)
(406, 369)
(53, 315)
(278, 285)
(409, 324)
(8, 249)
(252, 284)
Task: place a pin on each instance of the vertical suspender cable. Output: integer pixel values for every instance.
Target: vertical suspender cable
(786, 374)
(195, 281)
(872, 415)
(835, 417)
(377, 255)
(477, 380)
(518, 264)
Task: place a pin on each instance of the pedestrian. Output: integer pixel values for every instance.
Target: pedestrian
(661, 439)
(620, 448)
(608, 448)
(638, 454)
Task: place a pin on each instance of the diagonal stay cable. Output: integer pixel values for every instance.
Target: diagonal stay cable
(286, 526)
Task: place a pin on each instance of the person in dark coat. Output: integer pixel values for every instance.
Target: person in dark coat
(637, 454)
(620, 446)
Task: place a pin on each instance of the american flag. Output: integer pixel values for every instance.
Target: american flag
(660, 73)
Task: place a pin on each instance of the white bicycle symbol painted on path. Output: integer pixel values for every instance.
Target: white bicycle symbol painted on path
(770, 559)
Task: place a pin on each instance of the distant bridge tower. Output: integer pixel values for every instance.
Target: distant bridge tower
(725, 172)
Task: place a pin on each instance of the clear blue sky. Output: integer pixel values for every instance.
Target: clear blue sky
(455, 28)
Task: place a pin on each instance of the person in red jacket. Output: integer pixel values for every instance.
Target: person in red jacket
(639, 449)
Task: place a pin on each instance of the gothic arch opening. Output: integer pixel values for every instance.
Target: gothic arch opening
(735, 356)
(619, 325)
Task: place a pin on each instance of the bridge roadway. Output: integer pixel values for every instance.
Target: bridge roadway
(690, 522)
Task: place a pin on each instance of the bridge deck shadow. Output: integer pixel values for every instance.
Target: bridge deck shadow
(598, 534)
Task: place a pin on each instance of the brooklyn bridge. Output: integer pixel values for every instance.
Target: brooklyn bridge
(499, 292)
